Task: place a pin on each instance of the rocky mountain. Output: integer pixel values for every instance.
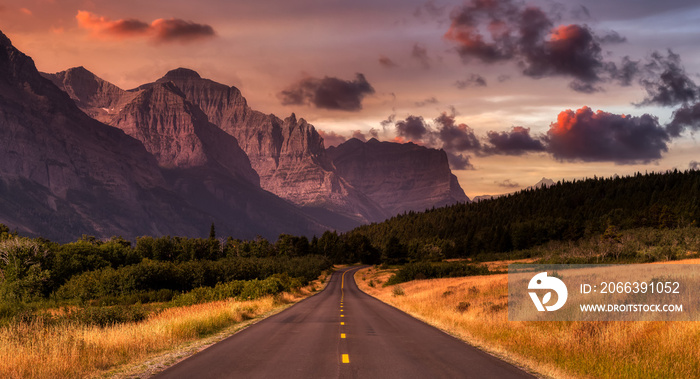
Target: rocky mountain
(177, 114)
(288, 155)
(544, 182)
(401, 177)
(98, 98)
(64, 174)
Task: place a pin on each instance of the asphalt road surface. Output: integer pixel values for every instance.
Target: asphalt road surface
(342, 332)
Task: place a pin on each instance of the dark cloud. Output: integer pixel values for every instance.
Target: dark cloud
(387, 62)
(328, 93)
(693, 165)
(571, 50)
(507, 184)
(684, 117)
(160, 30)
(626, 72)
(180, 30)
(493, 31)
(455, 137)
(666, 82)
(612, 37)
(459, 161)
(474, 80)
(420, 54)
(359, 135)
(413, 128)
(444, 133)
(590, 136)
(428, 101)
(515, 142)
(388, 122)
(331, 138)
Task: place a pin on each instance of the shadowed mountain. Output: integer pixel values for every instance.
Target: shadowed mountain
(173, 115)
(64, 174)
(401, 177)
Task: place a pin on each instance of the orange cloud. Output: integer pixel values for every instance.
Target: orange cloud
(160, 30)
(26, 11)
(585, 135)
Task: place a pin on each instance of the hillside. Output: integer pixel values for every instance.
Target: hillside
(561, 212)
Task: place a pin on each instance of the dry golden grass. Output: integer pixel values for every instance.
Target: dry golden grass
(77, 351)
(474, 309)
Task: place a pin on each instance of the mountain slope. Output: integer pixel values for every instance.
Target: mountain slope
(400, 177)
(64, 174)
(288, 154)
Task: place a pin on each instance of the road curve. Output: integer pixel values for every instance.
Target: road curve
(342, 332)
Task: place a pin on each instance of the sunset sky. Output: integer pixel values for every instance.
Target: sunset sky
(513, 91)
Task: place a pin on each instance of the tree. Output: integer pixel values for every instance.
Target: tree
(212, 232)
(23, 276)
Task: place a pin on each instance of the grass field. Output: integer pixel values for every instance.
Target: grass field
(35, 350)
(474, 309)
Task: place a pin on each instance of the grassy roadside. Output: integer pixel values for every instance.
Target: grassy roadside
(35, 350)
(474, 309)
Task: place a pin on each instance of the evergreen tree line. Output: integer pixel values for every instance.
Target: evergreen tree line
(566, 211)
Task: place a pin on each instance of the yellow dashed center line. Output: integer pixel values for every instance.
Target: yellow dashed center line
(346, 358)
(342, 323)
(342, 315)
(342, 335)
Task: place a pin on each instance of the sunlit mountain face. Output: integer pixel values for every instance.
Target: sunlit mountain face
(511, 91)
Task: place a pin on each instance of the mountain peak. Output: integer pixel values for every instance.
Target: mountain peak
(182, 74)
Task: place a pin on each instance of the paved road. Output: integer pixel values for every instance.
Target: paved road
(342, 333)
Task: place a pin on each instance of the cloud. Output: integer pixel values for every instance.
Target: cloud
(444, 133)
(599, 136)
(456, 137)
(428, 101)
(328, 93)
(516, 142)
(612, 37)
(420, 54)
(693, 165)
(26, 11)
(173, 29)
(507, 184)
(459, 161)
(666, 82)
(412, 128)
(160, 30)
(331, 138)
(474, 80)
(388, 122)
(684, 117)
(493, 31)
(387, 62)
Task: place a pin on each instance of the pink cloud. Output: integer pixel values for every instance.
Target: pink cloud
(160, 30)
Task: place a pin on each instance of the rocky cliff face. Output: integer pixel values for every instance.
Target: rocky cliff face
(288, 154)
(98, 98)
(401, 177)
(177, 114)
(63, 174)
